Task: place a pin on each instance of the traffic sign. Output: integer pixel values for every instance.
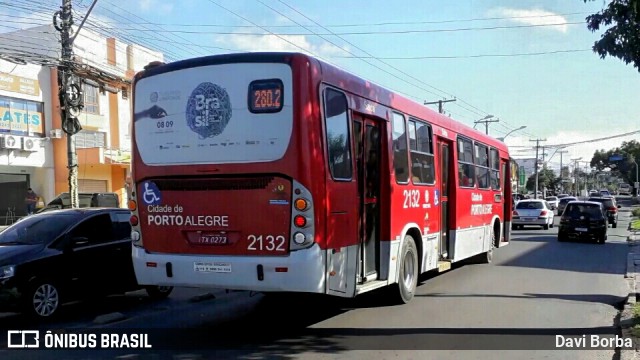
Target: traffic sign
(616, 157)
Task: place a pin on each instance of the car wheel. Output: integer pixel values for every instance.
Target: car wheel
(158, 292)
(408, 275)
(545, 226)
(614, 225)
(42, 300)
(602, 239)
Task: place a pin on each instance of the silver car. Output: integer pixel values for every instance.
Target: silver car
(532, 212)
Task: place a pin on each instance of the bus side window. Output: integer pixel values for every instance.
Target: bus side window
(400, 151)
(337, 127)
(466, 167)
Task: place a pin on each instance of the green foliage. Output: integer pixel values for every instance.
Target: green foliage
(635, 225)
(621, 18)
(626, 169)
(635, 212)
(546, 178)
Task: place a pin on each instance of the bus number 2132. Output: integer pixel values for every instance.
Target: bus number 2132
(269, 243)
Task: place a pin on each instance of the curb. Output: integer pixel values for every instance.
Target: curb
(626, 318)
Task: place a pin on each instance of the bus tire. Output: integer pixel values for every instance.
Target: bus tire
(409, 270)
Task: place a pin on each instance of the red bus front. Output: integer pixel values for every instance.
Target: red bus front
(223, 192)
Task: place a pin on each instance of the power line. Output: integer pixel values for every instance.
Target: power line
(351, 33)
(353, 24)
(466, 56)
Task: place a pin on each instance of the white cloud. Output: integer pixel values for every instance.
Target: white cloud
(279, 43)
(145, 4)
(162, 7)
(532, 17)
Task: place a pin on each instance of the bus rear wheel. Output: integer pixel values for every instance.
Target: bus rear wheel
(409, 270)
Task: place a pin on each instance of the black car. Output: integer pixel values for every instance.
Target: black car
(63, 201)
(610, 208)
(583, 220)
(59, 256)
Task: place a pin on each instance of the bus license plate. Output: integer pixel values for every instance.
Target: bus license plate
(216, 267)
(581, 229)
(211, 239)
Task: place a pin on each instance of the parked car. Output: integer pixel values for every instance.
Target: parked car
(610, 208)
(85, 200)
(560, 196)
(553, 201)
(59, 256)
(583, 220)
(532, 212)
(562, 203)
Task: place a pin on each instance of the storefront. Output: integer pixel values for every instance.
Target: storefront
(25, 150)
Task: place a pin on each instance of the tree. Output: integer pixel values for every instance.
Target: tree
(625, 168)
(622, 38)
(546, 179)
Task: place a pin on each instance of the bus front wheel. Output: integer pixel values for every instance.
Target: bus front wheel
(409, 270)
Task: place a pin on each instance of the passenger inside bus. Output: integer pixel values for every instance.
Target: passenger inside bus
(465, 179)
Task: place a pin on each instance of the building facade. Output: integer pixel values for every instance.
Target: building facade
(33, 147)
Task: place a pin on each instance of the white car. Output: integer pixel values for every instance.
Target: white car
(532, 212)
(553, 201)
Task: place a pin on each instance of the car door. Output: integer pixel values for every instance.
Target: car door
(89, 255)
(124, 274)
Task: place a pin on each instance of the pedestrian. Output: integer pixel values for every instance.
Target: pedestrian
(30, 200)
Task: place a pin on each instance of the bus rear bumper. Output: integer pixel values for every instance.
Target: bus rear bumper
(300, 271)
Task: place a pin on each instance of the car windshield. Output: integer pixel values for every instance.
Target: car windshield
(36, 229)
(567, 199)
(529, 205)
(587, 210)
(551, 198)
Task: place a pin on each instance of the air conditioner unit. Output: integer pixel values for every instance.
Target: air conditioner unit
(11, 142)
(30, 144)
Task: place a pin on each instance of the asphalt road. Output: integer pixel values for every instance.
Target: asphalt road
(535, 288)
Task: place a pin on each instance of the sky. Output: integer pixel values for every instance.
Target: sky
(525, 62)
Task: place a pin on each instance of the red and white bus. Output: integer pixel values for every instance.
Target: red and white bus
(277, 172)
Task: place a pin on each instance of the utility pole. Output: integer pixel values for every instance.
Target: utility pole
(561, 176)
(575, 175)
(69, 91)
(439, 102)
(486, 122)
(535, 190)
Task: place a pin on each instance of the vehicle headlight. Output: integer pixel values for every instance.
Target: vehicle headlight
(7, 271)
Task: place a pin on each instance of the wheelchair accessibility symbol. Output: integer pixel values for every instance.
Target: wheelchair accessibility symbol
(151, 193)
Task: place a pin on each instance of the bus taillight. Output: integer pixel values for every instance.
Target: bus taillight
(301, 204)
(132, 205)
(300, 221)
(133, 220)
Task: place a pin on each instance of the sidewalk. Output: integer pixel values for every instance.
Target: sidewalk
(627, 321)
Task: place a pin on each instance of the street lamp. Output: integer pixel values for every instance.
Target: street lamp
(636, 185)
(511, 132)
